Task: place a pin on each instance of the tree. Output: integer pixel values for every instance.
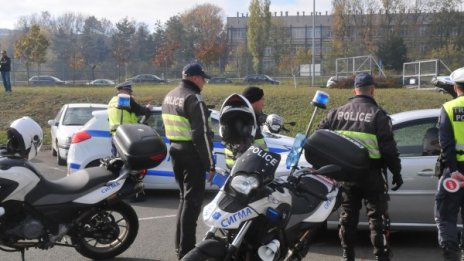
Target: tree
(393, 53)
(121, 42)
(95, 49)
(259, 23)
(32, 48)
(205, 31)
(290, 62)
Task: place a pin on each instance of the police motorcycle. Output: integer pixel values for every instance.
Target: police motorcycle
(256, 216)
(84, 210)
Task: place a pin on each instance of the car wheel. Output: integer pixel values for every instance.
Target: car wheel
(53, 152)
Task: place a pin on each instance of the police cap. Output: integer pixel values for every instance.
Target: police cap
(363, 80)
(457, 76)
(193, 69)
(127, 85)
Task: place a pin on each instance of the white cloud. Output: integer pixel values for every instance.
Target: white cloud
(147, 11)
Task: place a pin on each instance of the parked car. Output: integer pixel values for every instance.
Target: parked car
(219, 80)
(93, 142)
(69, 119)
(146, 78)
(101, 82)
(411, 206)
(45, 80)
(259, 78)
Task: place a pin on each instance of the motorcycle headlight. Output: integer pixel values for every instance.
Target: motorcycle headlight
(244, 184)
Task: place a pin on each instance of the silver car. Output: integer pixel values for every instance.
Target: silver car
(412, 205)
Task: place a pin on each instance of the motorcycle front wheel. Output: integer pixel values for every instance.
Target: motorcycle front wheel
(108, 232)
(207, 250)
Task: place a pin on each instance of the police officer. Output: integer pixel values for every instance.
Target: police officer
(255, 96)
(362, 119)
(448, 203)
(185, 118)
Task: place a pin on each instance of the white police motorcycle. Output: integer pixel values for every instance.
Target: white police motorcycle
(83, 210)
(256, 216)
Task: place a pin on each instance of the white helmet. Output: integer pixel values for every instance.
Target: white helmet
(457, 76)
(25, 138)
(237, 120)
(274, 123)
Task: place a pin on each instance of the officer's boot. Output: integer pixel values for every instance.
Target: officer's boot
(450, 254)
(348, 254)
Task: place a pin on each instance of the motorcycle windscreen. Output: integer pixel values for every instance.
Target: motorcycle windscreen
(257, 161)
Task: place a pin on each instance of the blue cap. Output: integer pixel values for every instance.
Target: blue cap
(363, 80)
(127, 85)
(193, 69)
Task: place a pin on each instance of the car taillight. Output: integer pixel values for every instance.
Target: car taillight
(142, 174)
(80, 136)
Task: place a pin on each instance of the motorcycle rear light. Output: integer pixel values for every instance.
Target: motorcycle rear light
(273, 215)
(80, 136)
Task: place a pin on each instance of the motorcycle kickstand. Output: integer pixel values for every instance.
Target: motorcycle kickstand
(23, 253)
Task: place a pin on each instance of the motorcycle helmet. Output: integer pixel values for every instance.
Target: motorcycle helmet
(274, 123)
(237, 121)
(25, 138)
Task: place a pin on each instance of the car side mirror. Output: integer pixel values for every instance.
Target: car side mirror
(52, 123)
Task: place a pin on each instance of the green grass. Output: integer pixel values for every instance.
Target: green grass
(293, 104)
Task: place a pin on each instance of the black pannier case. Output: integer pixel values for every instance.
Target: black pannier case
(140, 146)
(325, 147)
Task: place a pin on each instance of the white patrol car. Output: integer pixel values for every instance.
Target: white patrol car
(93, 142)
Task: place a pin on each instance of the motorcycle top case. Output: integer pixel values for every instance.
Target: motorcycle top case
(139, 146)
(325, 147)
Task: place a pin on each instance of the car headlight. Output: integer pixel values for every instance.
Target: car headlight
(244, 184)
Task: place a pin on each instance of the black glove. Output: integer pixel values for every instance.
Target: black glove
(397, 182)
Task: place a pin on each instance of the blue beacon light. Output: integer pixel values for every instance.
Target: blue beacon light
(321, 99)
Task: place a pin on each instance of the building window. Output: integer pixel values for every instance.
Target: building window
(298, 33)
(268, 51)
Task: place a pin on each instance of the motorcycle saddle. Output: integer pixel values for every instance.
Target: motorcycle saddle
(70, 187)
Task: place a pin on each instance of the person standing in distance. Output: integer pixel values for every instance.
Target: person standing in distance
(451, 137)
(185, 118)
(5, 68)
(255, 96)
(363, 120)
(127, 115)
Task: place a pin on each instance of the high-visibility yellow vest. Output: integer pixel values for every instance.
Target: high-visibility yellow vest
(367, 139)
(114, 115)
(177, 128)
(455, 111)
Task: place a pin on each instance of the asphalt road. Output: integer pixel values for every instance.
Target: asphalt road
(157, 226)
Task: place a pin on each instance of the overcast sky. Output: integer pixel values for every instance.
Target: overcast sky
(147, 11)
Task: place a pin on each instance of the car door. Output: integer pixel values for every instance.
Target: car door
(413, 202)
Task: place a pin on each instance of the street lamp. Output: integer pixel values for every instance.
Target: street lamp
(313, 43)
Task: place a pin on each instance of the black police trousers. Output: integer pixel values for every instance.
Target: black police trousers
(373, 192)
(447, 208)
(190, 177)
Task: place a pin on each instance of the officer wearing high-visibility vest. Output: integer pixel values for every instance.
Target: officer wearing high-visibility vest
(255, 96)
(450, 198)
(124, 115)
(362, 119)
(185, 118)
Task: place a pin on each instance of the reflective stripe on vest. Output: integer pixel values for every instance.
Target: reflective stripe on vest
(455, 111)
(177, 127)
(114, 115)
(368, 140)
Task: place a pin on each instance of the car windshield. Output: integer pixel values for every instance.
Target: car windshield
(78, 116)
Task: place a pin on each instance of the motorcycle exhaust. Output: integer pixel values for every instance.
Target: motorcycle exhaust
(268, 252)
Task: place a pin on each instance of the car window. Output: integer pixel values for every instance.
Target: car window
(58, 116)
(78, 116)
(417, 138)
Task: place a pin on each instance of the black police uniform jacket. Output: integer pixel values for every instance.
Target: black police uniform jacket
(194, 109)
(362, 114)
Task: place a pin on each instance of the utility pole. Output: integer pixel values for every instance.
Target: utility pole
(313, 43)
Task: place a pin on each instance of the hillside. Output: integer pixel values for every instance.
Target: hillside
(43, 103)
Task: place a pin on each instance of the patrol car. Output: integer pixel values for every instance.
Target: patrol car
(93, 142)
